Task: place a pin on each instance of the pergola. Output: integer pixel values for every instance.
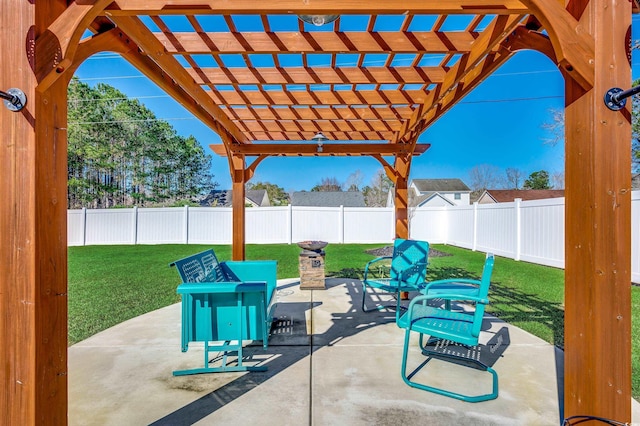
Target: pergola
(268, 92)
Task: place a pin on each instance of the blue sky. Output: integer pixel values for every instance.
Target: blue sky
(499, 124)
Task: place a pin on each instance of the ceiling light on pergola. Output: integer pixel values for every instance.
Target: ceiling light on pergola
(319, 138)
(318, 20)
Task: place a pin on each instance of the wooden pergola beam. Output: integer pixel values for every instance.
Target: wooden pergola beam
(328, 149)
(471, 80)
(352, 135)
(318, 125)
(476, 59)
(322, 42)
(117, 41)
(326, 75)
(306, 97)
(327, 7)
(573, 46)
(381, 113)
(41, 44)
(61, 36)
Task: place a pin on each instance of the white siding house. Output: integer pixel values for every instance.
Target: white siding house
(436, 193)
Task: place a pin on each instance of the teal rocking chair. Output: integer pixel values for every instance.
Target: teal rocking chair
(407, 272)
(449, 327)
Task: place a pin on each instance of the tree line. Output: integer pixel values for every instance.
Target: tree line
(121, 154)
(486, 176)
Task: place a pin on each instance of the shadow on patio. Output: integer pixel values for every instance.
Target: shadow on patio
(329, 363)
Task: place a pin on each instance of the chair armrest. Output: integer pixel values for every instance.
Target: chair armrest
(448, 296)
(222, 287)
(377, 259)
(464, 283)
(455, 280)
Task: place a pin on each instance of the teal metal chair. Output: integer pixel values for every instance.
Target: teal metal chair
(407, 272)
(452, 327)
(225, 302)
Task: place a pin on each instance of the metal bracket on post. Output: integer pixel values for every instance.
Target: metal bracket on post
(14, 99)
(615, 99)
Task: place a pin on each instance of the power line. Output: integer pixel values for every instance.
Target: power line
(121, 77)
(536, 98)
(146, 120)
(117, 99)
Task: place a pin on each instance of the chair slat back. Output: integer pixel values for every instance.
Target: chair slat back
(483, 292)
(200, 267)
(411, 256)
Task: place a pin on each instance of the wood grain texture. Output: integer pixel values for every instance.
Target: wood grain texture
(237, 204)
(33, 261)
(41, 45)
(598, 220)
(396, 7)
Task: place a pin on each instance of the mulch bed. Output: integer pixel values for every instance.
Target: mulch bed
(388, 251)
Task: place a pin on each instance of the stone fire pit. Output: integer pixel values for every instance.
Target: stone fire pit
(311, 265)
(314, 246)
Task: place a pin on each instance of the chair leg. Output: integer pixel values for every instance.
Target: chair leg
(226, 348)
(397, 306)
(462, 397)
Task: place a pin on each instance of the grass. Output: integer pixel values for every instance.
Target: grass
(110, 284)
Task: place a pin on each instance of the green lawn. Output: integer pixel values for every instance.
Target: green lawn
(110, 284)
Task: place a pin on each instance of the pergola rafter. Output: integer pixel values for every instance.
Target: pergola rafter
(319, 42)
(136, 31)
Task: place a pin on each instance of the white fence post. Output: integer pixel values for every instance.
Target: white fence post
(341, 225)
(393, 223)
(447, 222)
(134, 226)
(84, 226)
(289, 224)
(185, 224)
(518, 206)
(475, 226)
(533, 234)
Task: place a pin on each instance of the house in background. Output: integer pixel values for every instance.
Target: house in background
(436, 193)
(328, 199)
(224, 198)
(509, 195)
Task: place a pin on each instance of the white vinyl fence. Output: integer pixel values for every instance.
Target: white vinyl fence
(532, 231)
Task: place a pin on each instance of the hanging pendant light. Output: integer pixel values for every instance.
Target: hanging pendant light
(319, 138)
(318, 20)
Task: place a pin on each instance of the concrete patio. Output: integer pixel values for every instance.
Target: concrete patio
(328, 364)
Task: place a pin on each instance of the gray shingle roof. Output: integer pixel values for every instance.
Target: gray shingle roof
(224, 197)
(441, 185)
(328, 199)
(508, 195)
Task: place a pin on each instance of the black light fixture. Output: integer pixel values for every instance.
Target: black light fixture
(615, 99)
(318, 20)
(14, 99)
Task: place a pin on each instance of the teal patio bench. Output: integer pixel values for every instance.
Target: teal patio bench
(225, 303)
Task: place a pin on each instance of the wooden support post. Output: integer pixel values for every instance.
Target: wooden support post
(598, 222)
(401, 200)
(33, 223)
(238, 175)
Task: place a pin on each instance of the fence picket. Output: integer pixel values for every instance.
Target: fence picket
(531, 231)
